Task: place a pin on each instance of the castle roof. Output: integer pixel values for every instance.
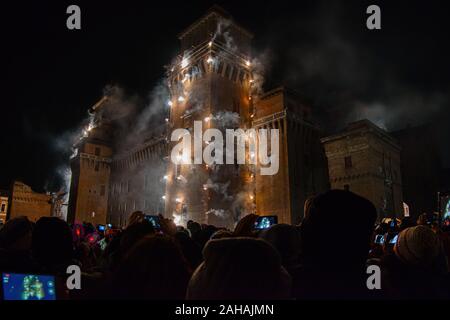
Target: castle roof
(361, 127)
(214, 11)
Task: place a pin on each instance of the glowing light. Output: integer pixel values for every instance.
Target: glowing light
(205, 188)
(176, 219)
(252, 155)
(251, 197)
(252, 116)
(251, 81)
(183, 158)
(169, 103)
(250, 98)
(184, 62)
(167, 119)
(163, 197)
(207, 119)
(186, 157)
(186, 77)
(210, 60)
(165, 178)
(180, 99)
(210, 44)
(178, 200)
(248, 63)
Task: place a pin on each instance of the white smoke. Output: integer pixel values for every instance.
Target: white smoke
(226, 119)
(65, 172)
(223, 31)
(219, 188)
(259, 65)
(396, 111)
(220, 213)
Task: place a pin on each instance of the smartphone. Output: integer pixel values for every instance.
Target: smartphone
(265, 222)
(103, 244)
(101, 228)
(379, 239)
(17, 286)
(154, 220)
(394, 239)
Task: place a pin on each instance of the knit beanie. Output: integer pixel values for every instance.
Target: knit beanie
(417, 246)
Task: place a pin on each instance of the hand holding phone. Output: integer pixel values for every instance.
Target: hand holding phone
(154, 220)
(393, 239)
(265, 222)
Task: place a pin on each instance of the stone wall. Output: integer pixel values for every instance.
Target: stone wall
(26, 202)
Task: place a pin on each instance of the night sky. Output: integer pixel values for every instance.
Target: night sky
(396, 76)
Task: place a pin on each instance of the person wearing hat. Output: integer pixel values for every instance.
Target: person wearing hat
(417, 267)
(240, 268)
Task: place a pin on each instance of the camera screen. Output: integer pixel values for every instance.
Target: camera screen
(379, 239)
(394, 239)
(28, 287)
(154, 220)
(265, 222)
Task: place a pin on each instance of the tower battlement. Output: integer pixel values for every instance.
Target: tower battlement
(218, 26)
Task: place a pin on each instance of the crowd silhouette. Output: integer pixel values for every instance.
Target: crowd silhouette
(325, 257)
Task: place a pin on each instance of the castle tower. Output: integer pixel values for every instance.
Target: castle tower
(90, 164)
(210, 82)
(365, 159)
(302, 163)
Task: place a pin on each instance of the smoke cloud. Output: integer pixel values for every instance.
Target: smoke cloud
(348, 72)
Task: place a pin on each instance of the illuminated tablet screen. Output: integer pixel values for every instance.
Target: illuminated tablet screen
(28, 287)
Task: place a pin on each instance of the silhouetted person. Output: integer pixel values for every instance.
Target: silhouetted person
(132, 235)
(239, 268)
(335, 237)
(111, 252)
(153, 269)
(245, 226)
(204, 235)
(15, 245)
(221, 234)
(417, 268)
(16, 234)
(52, 247)
(136, 217)
(286, 239)
(193, 227)
(191, 250)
